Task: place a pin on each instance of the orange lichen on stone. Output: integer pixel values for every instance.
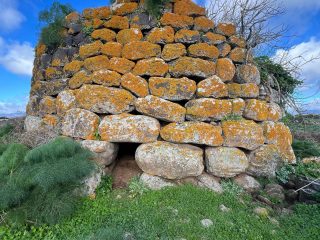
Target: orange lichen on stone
(213, 38)
(176, 21)
(161, 35)
(227, 29)
(247, 90)
(248, 73)
(224, 49)
(112, 49)
(212, 87)
(101, 13)
(203, 50)
(95, 23)
(238, 106)
(52, 72)
(135, 84)
(242, 133)
(48, 105)
(153, 67)
(187, 36)
(121, 65)
(139, 50)
(274, 112)
(203, 24)
(90, 49)
(173, 51)
(280, 135)
(50, 120)
(237, 41)
(73, 17)
(40, 49)
(192, 132)
(192, 67)
(79, 79)
(104, 34)
(161, 109)
(207, 109)
(117, 22)
(125, 8)
(187, 7)
(256, 110)
(174, 89)
(96, 63)
(225, 69)
(73, 66)
(100, 99)
(65, 101)
(238, 55)
(129, 35)
(106, 78)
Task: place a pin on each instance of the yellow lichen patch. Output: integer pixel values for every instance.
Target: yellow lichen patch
(192, 67)
(203, 24)
(121, 65)
(225, 69)
(90, 49)
(40, 49)
(52, 72)
(173, 51)
(48, 105)
(187, 36)
(213, 38)
(227, 29)
(174, 89)
(73, 66)
(192, 132)
(101, 13)
(247, 90)
(203, 50)
(95, 23)
(117, 22)
(274, 112)
(238, 55)
(176, 21)
(96, 63)
(65, 101)
(139, 50)
(206, 109)
(73, 17)
(79, 79)
(135, 84)
(160, 109)
(212, 87)
(237, 41)
(50, 120)
(104, 34)
(256, 110)
(238, 106)
(126, 8)
(187, 7)
(161, 35)
(112, 49)
(106, 78)
(243, 133)
(248, 73)
(154, 67)
(129, 35)
(280, 135)
(102, 99)
(224, 49)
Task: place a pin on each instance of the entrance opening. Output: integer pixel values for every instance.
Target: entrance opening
(126, 167)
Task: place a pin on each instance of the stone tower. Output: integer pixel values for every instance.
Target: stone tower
(183, 86)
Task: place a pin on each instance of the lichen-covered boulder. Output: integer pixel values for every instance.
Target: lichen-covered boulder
(112, 49)
(225, 69)
(238, 55)
(203, 50)
(243, 133)
(161, 109)
(174, 89)
(207, 109)
(129, 128)
(227, 29)
(47, 105)
(192, 132)
(264, 161)
(78, 79)
(176, 21)
(262, 111)
(32, 123)
(247, 182)
(90, 49)
(65, 101)
(101, 99)
(135, 84)
(169, 160)
(153, 67)
(104, 34)
(188, 8)
(225, 162)
(80, 123)
(96, 63)
(140, 50)
(106, 78)
(129, 35)
(104, 153)
(213, 38)
(212, 87)
(161, 35)
(248, 73)
(187, 36)
(246, 90)
(203, 24)
(121, 65)
(117, 23)
(173, 51)
(155, 182)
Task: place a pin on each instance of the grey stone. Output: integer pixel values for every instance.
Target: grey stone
(206, 223)
(247, 182)
(32, 123)
(155, 182)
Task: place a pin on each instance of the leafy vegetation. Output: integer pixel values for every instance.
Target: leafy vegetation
(4, 130)
(155, 7)
(232, 117)
(38, 186)
(52, 34)
(303, 149)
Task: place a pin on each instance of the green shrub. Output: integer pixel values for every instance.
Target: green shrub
(4, 130)
(136, 187)
(54, 19)
(303, 149)
(229, 187)
(232, 117)
(155, 7)
(309, 170)
(283, 173)
(38, 186)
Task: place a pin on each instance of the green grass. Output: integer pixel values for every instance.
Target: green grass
(173, 213)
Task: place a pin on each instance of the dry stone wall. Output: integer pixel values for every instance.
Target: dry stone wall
(184, 87)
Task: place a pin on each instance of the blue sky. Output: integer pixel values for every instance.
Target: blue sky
(19, 30)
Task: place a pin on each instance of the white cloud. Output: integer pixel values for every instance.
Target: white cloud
(17, 57)
(10, 17)
(313, 106)
(12, 107)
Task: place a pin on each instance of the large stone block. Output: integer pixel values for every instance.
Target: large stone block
(262, 111)
(106, 78)
(129, 35)
(135, 84)
(153, 67)
(173, 51)
(246, 90)
(212, 87)
(227, 29)
(187, 36)
(169, 160)
(203, 50)
(188, 8)
(248, 74)
(140, 49)
(129, 128)
(225, 69)
(161, 35)
(176, 21)
(203, 24)
(65, 101)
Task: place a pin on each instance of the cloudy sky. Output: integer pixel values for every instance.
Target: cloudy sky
(19, 30)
